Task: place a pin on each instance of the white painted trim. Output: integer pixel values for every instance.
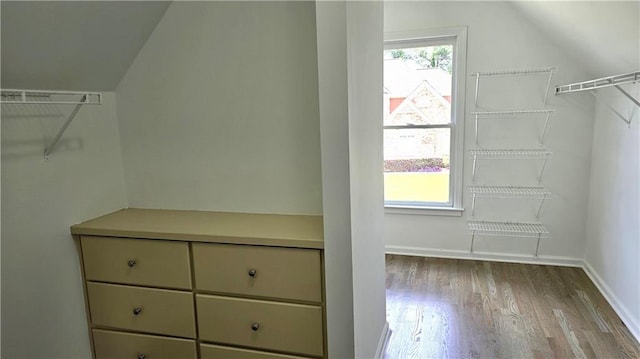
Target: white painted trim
(384, 340)
(485, 256)
(424, 211)
(616, 304)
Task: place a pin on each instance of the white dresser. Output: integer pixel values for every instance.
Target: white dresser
(194, 284)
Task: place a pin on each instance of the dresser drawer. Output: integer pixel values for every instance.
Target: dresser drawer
(115, 345)
(294, 328)
(208, 351)
(288, 273)
(137, 261)
(157, 311)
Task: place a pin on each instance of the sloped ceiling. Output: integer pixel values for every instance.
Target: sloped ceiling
(603, 36)
(73, 45)
(89, 45)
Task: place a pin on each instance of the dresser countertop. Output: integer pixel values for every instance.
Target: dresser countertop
(302, 231)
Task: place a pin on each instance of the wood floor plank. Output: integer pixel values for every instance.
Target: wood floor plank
(596, 315)
(603, 345)
(627, 346)
(570, 335)
(446, 308)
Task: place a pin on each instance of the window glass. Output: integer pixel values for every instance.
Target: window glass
(416, 165)
(418, 124)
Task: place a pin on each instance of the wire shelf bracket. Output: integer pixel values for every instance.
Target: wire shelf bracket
(509, 192)
(519, 114)
(25, 97)
(509, 155)
(508, 229)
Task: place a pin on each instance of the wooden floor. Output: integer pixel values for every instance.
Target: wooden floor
(447, 308)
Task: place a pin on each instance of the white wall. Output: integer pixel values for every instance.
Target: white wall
(350, 82)
(219, 111)
(223, 110)
(613, 226)
(512, 42)
(364, 44)
(42, 300)
(331, 27)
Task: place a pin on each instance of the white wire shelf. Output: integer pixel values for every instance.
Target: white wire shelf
(516, 72)
(599, 83)
(511, 114)
(514, 115)
(519, 154)
(508, 229)
(533, 192)
(509, 192)
(14, 96)
(31, 97)
(510, 154)
(609, 81)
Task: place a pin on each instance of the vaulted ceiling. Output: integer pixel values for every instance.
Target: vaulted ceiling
(73, 45)
(602, 36)
(89, 45)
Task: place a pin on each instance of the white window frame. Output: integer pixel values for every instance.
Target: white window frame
(435, 37)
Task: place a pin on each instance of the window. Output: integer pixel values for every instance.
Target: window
(424, 77)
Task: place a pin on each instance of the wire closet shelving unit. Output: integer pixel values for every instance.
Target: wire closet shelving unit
(515, 229)
(46, 97)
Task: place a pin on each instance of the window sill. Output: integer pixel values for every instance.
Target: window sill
(424, 211)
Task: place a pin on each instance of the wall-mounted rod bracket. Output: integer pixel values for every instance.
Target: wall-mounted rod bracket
(54, 142)
(633, 99)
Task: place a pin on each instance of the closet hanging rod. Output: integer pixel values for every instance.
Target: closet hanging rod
(14, 96)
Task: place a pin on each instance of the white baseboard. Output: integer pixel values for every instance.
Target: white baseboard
(484, 256)
(382, 343)
(616, 304)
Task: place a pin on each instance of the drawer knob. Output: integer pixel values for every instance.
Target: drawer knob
(137, 311)
(252, 273)
(255, 327)
(142, 356)
(131, 262)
